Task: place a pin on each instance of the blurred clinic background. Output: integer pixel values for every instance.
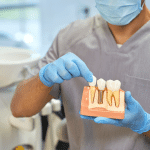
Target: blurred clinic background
(34, 24)
(27, 30)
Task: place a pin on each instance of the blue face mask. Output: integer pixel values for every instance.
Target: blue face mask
(119, 12)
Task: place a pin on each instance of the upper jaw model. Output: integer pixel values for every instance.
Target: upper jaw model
(112, 90)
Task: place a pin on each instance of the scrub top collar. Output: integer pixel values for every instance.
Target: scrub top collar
(129, 45)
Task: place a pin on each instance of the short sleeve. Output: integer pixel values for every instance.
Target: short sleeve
(51, 55)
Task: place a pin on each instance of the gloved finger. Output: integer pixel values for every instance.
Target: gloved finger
(104, 120)
(61, 70)
(72, 68)
(130, 101)
(85, 72)
(52, 76)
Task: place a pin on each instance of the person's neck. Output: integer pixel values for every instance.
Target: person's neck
(123, 33)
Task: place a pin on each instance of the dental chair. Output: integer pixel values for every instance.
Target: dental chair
(57, 128)
(29, 129)
(27, 132)
(17, 131)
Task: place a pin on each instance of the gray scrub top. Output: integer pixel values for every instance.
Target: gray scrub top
(92, 41)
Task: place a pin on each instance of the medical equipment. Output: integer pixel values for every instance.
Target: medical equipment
(14, 62)
(17, 131)
(33, 125)
(27, 131)
(57, 129)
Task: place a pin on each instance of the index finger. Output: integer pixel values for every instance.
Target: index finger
(84, 70)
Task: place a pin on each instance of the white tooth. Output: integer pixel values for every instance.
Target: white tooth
(93, 83)
(109, 84)
(117, 85)
(101, 84)
(113, 85)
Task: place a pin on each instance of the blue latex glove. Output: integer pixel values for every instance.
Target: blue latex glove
(135, 117)
(64, 68)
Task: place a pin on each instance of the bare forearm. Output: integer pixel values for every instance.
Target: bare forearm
(30, 97)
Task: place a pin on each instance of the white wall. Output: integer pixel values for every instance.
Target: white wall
(148, 4)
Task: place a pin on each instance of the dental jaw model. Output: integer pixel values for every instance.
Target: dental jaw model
(106, 100)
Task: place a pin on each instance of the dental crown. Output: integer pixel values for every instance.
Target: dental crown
(112, 89)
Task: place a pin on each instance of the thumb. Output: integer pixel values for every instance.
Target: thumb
(130, 101)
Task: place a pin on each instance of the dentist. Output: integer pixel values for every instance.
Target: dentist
(114, 45)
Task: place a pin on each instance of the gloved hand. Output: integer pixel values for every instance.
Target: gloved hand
(64, 68)
(135, 117)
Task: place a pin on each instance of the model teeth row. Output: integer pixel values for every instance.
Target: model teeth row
(101, 83)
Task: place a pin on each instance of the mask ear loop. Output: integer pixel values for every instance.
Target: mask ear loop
(143, 4)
